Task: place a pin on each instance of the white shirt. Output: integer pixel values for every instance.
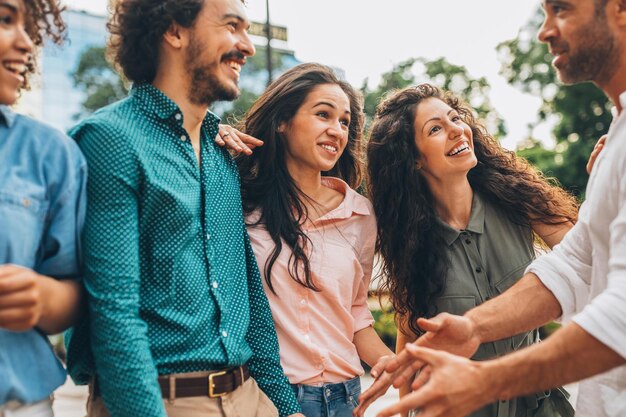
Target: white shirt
(587, 271)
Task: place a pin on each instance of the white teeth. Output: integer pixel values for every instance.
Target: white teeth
(329, 148)
(15, 67)
(458, 149)
(235, 66)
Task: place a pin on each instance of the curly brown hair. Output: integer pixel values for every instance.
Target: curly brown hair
(413, 267)
(42, 20)
(136, 28)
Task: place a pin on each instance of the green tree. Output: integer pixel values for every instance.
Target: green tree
(582, 111)
(443, 74)
(99, 81)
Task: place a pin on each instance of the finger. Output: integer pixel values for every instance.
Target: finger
(18, 281)
(9, 270)
(18, 318)
(379, 368)
(377, 389)
(418, 399)
(430, 325)
(399, 361)
(251, 141)
(19, 299)
(421, 378)
(424, 355)
(235, 136)
(407, 374)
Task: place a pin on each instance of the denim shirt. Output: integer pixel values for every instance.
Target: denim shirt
(42, 203)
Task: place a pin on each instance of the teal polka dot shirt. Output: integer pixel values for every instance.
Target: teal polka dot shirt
(172, 280)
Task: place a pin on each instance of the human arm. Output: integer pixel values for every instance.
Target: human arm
(265, 364)
(458, 386)
(236, 140)
(370, 347)
(125, 369)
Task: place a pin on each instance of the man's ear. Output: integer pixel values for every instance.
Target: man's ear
(620, 13)
(175, 36)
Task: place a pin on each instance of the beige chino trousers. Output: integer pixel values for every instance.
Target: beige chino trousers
(246, 401)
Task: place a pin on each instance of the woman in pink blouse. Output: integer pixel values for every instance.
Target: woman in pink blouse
(312, 234)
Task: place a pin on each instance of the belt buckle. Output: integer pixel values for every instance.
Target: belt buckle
(212, 394)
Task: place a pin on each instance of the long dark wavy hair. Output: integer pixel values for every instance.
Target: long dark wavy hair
(42, 20)
(410, 239)
(265, 180)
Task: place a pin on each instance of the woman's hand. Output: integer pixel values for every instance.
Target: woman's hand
(236, 141)
(594, 154)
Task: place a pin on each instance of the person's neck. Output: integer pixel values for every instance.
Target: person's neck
(176, 88)
(453, 201)
(616, 85)
(308, 182)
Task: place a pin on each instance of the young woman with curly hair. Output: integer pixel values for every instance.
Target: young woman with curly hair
(458, 217)
(42, 184)
(312, 234)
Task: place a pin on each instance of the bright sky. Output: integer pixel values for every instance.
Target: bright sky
(366, 38)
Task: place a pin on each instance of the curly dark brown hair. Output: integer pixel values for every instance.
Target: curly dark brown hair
(42, 20)
(409, 237)
(136, 28)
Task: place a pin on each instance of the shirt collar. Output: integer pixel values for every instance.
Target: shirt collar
(156, 102)
(476, 223)
(7, 116)
(353, 202)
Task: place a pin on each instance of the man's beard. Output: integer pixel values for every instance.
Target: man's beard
(594, 58)
(205, 87)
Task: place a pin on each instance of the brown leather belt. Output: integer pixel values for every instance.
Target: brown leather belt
(214, 384)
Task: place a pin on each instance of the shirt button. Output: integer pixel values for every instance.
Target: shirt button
(214, 284)
(183, 138)
(208, 236)
(320, 366)
(303, 301)
(224, 333)
(479, 269)
(178, 116)
(468, 241)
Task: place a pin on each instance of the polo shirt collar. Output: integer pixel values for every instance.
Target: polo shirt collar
(476, 223)
(7, 116)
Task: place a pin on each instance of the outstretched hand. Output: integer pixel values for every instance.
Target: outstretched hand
(445, 331)
(456, 386)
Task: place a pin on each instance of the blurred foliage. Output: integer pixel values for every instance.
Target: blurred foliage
(98, 80)
(582, 111)
(385, 326)
(439, 72)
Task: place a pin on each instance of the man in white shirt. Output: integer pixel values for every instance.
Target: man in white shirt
(582, 281)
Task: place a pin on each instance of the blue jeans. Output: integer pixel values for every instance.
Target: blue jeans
(330, 400)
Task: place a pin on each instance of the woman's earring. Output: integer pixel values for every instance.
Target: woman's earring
(418, 165)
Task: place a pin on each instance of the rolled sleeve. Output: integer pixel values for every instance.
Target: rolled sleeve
(605, 317)
(566, 270)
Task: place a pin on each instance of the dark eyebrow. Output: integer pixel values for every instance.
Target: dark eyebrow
(436, 118)
(237, 17)
(11, 7)
(321, 103)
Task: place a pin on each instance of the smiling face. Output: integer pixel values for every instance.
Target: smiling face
(15, 50)
(317, 135)
(580, 39)
(444, 141)
(218, 47)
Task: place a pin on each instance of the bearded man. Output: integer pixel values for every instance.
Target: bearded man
(178, 320)
(582, 281)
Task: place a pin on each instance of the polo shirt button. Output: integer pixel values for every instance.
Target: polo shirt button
(178, 116)
(183, 138)
(479, 269)
(224, 333)
(468, 241)
(214, 284)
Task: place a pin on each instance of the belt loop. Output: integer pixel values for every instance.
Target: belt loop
(172, 397)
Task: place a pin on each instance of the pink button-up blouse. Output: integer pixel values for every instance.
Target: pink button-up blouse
(315, 329)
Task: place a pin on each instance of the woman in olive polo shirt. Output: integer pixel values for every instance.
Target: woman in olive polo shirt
(458, 217)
